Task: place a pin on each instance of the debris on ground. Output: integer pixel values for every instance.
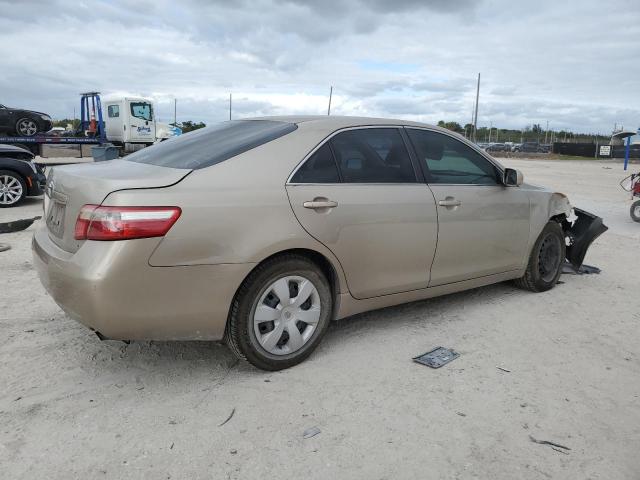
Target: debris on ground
(461, 414)
(584, 269)
(17, 225)
(4, 247)
(229, 417)
(547, 442)
(503, 369)
(437, 357)
(233, 451)
(310, 432)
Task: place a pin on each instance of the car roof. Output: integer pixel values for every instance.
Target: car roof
(4, 148)
(339, 121)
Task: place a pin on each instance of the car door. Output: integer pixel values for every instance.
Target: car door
(141, 122)
(483, 226)
(359, 195)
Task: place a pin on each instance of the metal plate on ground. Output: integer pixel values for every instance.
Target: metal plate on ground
(437, 357)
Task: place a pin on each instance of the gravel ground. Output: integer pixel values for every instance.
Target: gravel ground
(74, 407)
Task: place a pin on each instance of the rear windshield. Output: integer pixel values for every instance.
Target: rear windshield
(210, 145)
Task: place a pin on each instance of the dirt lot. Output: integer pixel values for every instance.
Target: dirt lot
(74, 407)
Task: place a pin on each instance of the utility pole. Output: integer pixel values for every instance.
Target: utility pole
(175, 110)
(330, 95)
(229, 106)
(545, 133)
(475, 114)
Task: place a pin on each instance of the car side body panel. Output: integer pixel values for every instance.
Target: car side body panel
(235, 214)
(487, 234)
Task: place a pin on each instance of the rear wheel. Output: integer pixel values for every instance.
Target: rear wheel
(13, 189)
(635, 211)
(545, 263)
(26, 127)
(280, 313)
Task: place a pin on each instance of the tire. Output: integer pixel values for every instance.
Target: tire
(249, 337)
(546, 259)
(635, 211)
(26, 127)
(13, 189)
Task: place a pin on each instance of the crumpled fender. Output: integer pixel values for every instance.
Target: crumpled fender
(559, 204)
(581, 228)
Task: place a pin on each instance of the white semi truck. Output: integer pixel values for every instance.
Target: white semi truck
(130, 122)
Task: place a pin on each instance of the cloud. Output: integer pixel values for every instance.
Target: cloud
(570, 63)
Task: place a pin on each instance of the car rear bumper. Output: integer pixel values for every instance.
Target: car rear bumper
(110, 288)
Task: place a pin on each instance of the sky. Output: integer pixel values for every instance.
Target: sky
(571, 63)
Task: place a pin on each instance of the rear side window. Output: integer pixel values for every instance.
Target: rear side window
(211, 145)
(373, 155)
(319, 168)
(114, 111)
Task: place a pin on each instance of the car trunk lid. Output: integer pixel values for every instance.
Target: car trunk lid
(71, 186)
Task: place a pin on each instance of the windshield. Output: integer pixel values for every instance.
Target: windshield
(210, 145)
(142, 110)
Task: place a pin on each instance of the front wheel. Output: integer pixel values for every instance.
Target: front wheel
(280, 313)
(13, 189)
(635, 211)
(545, 263)
(26, 127)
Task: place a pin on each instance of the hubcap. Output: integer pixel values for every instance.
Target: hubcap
(549, 257)
(636, 211)
(10, 190)
(27, 127)
(286, 315)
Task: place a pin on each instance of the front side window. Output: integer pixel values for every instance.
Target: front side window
(319, 168)
(113, 111)
(142, 110)
(450, 161)
(373, 155)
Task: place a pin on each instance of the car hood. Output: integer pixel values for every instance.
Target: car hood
(30, 111)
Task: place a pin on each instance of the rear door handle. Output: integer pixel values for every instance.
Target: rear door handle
(449, 202)
(316, 203)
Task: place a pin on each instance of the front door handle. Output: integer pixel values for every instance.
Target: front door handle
(449, 202)
(317, 203)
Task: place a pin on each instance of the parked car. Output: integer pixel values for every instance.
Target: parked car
(530, 147)
(19, 176)
(495, 147)
(24, 123)
(261, 231)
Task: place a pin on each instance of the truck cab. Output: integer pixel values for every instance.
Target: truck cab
(130, 122)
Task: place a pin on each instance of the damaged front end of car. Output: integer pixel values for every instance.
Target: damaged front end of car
(580, 233)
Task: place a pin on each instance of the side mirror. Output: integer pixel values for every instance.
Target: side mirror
(512, 177)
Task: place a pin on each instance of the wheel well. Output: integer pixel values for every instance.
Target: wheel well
(15, 172)
(320, 260)
(561, 217)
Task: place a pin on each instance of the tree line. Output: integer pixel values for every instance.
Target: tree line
(531, 133)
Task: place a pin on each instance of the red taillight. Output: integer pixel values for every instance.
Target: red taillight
(124, 223)
(82, 223)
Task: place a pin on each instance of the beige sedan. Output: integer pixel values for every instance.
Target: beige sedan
(262, 231)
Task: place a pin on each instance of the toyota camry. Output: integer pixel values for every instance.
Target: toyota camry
(259, 232)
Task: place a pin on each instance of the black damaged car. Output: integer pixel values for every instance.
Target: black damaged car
(25, 123)
(20, 177)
